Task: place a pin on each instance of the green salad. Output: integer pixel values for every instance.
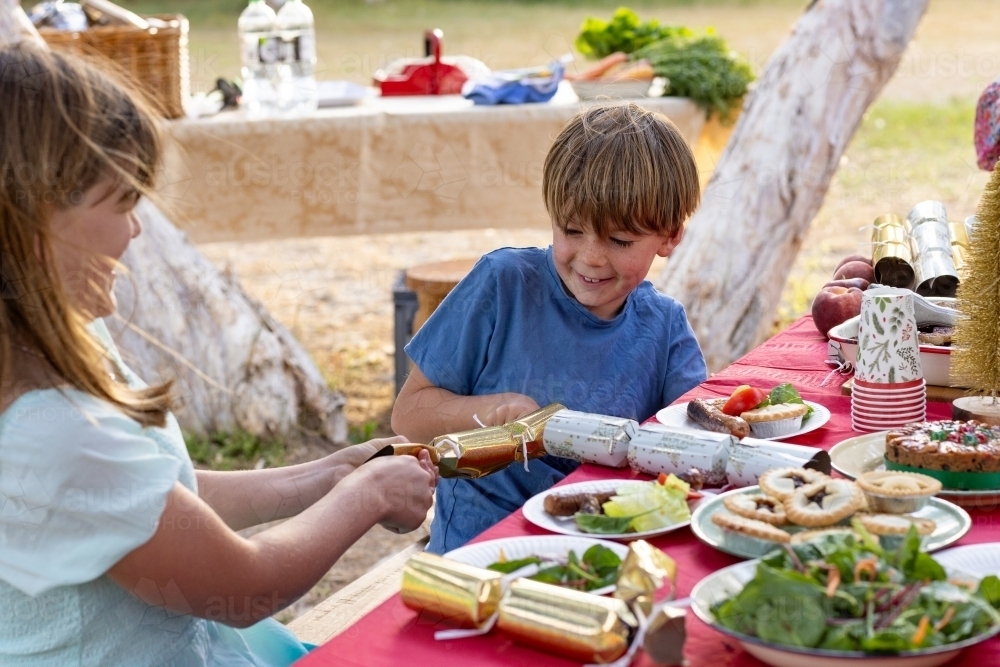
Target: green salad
(597, 568)
(640, 507)
(843, 592)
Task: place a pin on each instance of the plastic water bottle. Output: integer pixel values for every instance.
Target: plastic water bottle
(297, 90)
(260, 52)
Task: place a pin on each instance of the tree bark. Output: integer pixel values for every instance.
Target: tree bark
(771, 180)
(236, 367)
(14, 24)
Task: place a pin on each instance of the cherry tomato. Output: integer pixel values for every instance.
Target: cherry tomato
(743, 398)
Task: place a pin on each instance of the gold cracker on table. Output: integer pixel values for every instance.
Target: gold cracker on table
(780, 483)
(895, 524)
(898, 484)
(759, 507)
(807, 535)
(823, 503)
(750, 527)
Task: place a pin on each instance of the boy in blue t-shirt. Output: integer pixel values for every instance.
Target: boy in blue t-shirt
(576, 323)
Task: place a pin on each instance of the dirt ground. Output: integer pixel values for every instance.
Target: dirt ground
(336, 293)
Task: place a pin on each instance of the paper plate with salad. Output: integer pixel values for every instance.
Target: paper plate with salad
(749, 411)
(842, 600)
(580, 563)
(614, 509)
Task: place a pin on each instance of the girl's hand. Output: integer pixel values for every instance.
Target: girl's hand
(355, 455)
(511, 407)
(403, 489)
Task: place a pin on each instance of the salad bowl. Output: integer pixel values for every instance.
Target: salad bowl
(728, 582)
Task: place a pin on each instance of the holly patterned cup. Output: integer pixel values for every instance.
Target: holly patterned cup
(888, 351)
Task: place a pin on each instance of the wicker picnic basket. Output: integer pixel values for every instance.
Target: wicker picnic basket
(156, 58)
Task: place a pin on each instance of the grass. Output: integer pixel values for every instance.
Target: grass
(235, 451)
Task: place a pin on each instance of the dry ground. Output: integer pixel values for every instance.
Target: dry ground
(335, 293)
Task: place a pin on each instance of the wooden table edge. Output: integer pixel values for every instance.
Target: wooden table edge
(348, 605)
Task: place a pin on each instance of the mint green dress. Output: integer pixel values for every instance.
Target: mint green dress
(81, 486)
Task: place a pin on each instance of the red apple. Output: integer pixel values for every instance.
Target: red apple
(860, 283)
(855, 270)
(853, 258)
(835, 305)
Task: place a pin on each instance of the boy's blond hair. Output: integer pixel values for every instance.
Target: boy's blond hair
(621, 168)
(64, 127)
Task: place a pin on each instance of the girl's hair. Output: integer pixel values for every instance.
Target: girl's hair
(620, 167)
(65, 125)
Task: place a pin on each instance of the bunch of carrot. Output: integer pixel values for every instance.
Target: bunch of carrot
(615, 67)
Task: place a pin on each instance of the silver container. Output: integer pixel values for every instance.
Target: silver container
(926, 211)
(895, 504)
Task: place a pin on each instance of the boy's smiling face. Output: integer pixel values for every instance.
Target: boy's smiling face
(601, 273)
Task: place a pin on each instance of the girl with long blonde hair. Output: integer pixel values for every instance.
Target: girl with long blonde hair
(113, 549)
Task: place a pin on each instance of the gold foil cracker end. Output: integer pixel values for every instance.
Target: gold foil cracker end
(644, 571)
(576, 625)
(460, 594)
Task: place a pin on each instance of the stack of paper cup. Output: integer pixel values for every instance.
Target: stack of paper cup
(889, 388)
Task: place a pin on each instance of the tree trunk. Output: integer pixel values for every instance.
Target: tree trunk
(14, 24)
(236, 367)
(771, 180)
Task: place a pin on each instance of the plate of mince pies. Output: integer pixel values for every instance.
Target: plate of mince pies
(793, 505)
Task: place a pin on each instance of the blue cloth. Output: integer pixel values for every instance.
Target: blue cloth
(510, 88)
(82, 485)
(510, 326)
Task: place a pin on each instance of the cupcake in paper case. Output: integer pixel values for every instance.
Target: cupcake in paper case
(588, 437)
(888, 350)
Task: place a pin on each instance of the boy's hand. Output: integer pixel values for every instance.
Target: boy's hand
(510, 407)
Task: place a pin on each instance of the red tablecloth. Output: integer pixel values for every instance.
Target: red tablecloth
(392, 635)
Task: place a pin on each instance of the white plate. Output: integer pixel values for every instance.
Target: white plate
(727, 582)
(952, 524)
(676, 415)
(339, 93)
(865, 453)
(534, 511)
(482, 554)
(981, 560)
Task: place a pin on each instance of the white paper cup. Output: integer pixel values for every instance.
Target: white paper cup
(888, 351)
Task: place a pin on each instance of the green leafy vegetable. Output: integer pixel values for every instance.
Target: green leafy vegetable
(602, 524)
(597, 568)
(508, 566)
(701, 67)
(624, 32)
(907, 604)
(786, 393)
(989, 590)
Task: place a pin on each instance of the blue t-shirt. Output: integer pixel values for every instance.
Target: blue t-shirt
(510, 326)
